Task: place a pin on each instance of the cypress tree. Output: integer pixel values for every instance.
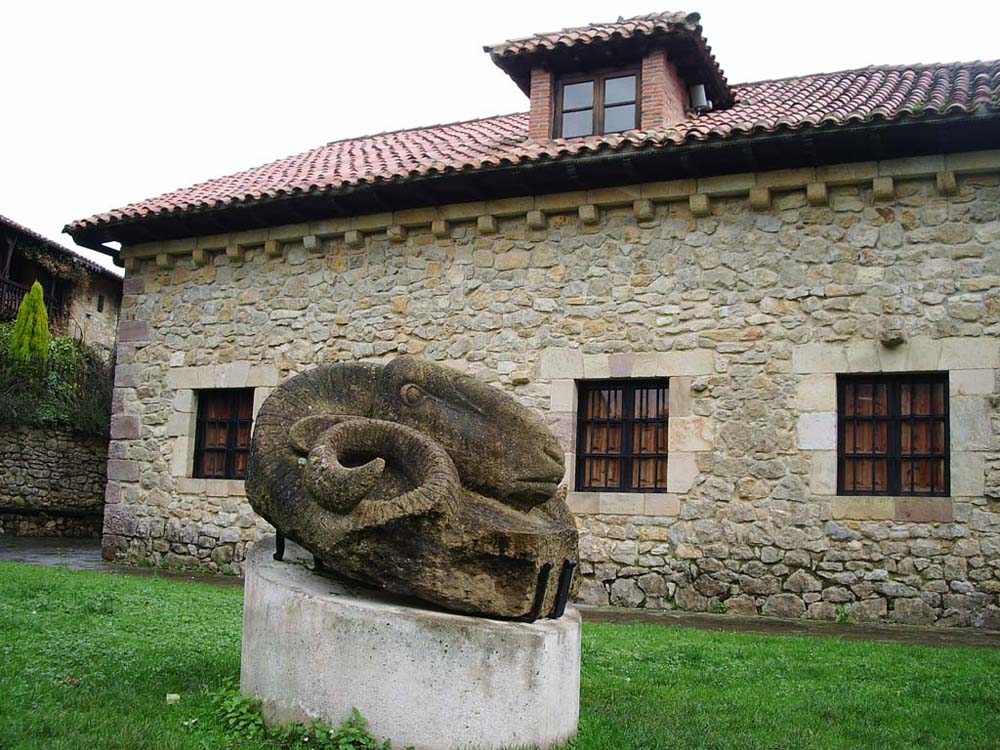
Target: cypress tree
(30, 340)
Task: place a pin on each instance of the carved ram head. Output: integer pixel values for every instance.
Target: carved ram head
(420, 479)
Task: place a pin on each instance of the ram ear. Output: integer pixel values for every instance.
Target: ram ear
(305, 433)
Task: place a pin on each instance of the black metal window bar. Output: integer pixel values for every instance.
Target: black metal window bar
(622, 433)
(893, 435)
(222, 438)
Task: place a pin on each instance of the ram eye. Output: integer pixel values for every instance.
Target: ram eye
(411, 394)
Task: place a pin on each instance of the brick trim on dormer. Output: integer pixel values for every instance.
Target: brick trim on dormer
(540, 117)
(663, 92)
(662, 97)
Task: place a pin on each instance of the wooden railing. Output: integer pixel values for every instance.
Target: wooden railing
(11, 294)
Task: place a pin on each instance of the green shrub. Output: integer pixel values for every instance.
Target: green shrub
(70, 386)
(241, 717)
(239, 714)
(30, 339)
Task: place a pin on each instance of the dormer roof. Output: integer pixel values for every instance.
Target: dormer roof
(618, 42)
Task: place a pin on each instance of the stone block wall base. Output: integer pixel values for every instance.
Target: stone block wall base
(51, 525)
(314, 647)
(52, 481)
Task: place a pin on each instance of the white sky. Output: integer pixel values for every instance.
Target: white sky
(106, 103)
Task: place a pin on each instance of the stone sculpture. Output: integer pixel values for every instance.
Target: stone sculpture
(419, 479)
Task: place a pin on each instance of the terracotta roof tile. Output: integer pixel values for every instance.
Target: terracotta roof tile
(679, 32)
(822, 100)
(625, 28)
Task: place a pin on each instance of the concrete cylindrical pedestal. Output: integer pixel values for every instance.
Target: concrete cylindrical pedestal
(314, 647)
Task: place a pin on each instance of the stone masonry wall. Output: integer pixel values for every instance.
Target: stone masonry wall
(751, 299)
(95, 327)
(52, 482)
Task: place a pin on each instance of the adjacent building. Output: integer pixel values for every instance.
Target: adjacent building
(763, 319)
(52, 476)
(82, 297)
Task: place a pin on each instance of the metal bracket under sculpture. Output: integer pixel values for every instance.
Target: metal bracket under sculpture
(419, 479)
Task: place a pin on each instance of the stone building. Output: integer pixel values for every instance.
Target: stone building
(52, 479)
(762, 319)
(82, 297)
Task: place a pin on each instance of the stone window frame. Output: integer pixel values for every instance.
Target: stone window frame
(892, 456)
(688, 434)
(971, 363)
(628, 453)
(182, 424)
(236, 401)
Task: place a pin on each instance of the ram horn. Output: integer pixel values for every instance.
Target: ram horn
(336, 487)
(415, 460)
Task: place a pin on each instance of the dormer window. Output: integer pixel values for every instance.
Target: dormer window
(633, 73)
(597, 104)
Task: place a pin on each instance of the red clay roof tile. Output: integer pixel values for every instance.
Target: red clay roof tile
(625, 28)
(681, 32)
(829, 99)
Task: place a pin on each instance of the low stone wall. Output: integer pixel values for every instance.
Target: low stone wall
(53, 482)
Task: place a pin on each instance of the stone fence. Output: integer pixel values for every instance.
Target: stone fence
(51, 482)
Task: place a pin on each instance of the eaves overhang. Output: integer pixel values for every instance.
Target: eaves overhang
(783, 148)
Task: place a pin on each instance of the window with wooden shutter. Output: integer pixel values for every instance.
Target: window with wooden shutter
(622, 435)
(892, 435)
(222, 438)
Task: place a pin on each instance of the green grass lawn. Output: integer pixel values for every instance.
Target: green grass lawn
(86, 661)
